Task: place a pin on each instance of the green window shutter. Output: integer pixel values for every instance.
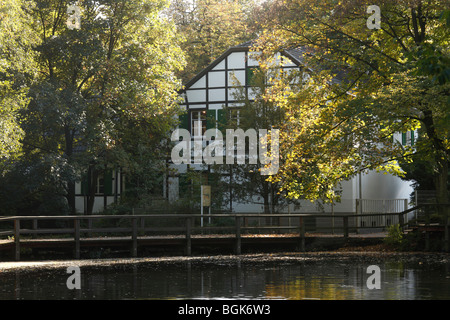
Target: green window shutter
(251, 73)
(183, 185)
(84, 185)
(184, 121)
(412, 138)
(108, 183)
(222, 120)
(404, 138)
(249, 76)
(210, 119)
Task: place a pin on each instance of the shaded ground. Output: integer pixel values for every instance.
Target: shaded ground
(340, 255)
(382, 247)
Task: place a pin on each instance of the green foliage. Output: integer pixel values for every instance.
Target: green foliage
(260, 113)
(395, 237)
(222, 222)
(102, 96)
(366, 86)
(209, 27)
(118, 209)
(17, 69)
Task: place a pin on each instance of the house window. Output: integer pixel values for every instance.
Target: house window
(408, 138)
(105, 183)
(100, 184)
(198, 123)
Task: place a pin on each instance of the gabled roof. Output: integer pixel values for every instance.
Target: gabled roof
(293, 54)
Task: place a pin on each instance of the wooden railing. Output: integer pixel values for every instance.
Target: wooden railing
(187, 225)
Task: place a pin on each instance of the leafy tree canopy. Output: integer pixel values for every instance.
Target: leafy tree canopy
(364, 85)
(210, 27)
(17, 68)
(105, 92)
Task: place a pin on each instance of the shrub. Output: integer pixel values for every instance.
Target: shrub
(395, 237)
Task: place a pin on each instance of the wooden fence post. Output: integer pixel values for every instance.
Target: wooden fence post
(17, 239)
(76, 225)
(142, 226)
(446, 233)
(345, 227)
(89, 227)
(35, 227)
(401, 221)
(302, 234)
(188, 249)
(134, 238)
(238, 235)
(427, 233)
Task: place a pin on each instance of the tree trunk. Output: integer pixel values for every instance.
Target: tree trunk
(441, 176)
(68, 135)
(92, 188)
(441, 158)
(441, 183)
(267, 208)
(442, 198)
(71, 197)
(442, 194)
(273, 203)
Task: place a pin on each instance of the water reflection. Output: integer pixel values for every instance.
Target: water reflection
(326, 280)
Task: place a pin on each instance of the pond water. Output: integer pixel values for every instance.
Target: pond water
(262, 277)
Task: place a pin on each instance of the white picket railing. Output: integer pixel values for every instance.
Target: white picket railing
(368, 206)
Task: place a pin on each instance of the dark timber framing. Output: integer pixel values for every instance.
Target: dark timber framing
(216, 77)
(209, 100)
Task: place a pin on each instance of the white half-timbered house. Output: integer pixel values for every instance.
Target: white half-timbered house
(214, 88)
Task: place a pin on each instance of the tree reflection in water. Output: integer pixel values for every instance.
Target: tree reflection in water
(296, 280)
